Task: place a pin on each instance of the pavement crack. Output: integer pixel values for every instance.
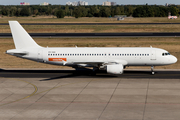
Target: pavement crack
(145, 100)
(109, 100)
(73, 100)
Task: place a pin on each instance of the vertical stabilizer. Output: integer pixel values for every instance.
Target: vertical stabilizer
(21, 38)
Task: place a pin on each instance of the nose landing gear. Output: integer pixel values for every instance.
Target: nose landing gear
(152, 70)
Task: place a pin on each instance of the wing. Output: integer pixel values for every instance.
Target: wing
(97, 63)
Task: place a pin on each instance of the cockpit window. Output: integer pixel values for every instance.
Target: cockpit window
(165, 54)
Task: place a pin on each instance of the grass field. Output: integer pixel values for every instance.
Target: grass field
(94, 28)
(53, 19)
(169, 44)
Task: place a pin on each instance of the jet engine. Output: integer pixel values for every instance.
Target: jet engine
(115, 69)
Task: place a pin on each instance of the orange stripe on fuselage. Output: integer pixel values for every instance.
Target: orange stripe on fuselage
(57, 59)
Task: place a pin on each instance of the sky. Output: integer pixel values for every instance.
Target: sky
(92, 2)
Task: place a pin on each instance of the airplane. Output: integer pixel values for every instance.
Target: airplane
(112, 59)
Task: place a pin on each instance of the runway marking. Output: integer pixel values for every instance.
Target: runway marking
(35, 87)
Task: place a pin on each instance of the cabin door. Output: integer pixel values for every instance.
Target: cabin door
(153, 55)
(40, 56)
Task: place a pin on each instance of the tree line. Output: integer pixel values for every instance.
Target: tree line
(90, 11)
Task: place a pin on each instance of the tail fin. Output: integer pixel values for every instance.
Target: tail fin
(21, 38)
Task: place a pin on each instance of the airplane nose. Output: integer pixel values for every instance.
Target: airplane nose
(174, 59)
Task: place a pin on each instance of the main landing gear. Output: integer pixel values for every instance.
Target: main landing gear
(152, 70)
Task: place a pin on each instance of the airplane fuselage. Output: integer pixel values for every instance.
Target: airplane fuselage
(139, 56)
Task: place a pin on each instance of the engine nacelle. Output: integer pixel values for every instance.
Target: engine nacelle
(115, 69)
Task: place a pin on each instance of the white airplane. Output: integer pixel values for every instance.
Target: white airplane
(113, 59)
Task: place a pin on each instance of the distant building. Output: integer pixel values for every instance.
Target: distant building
(169, 4)
(24, 3)
(106, 3)
(109, 3)
(75, 3)
(166, 4)
(68, 3)
(86, 3)
(113, 4)
(82, 3)
(45, 3)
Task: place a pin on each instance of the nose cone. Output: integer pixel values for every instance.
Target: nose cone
(173, 59)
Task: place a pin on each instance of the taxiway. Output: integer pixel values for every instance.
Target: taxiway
(70, 95)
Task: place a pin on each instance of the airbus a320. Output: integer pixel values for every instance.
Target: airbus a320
(111, 59)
